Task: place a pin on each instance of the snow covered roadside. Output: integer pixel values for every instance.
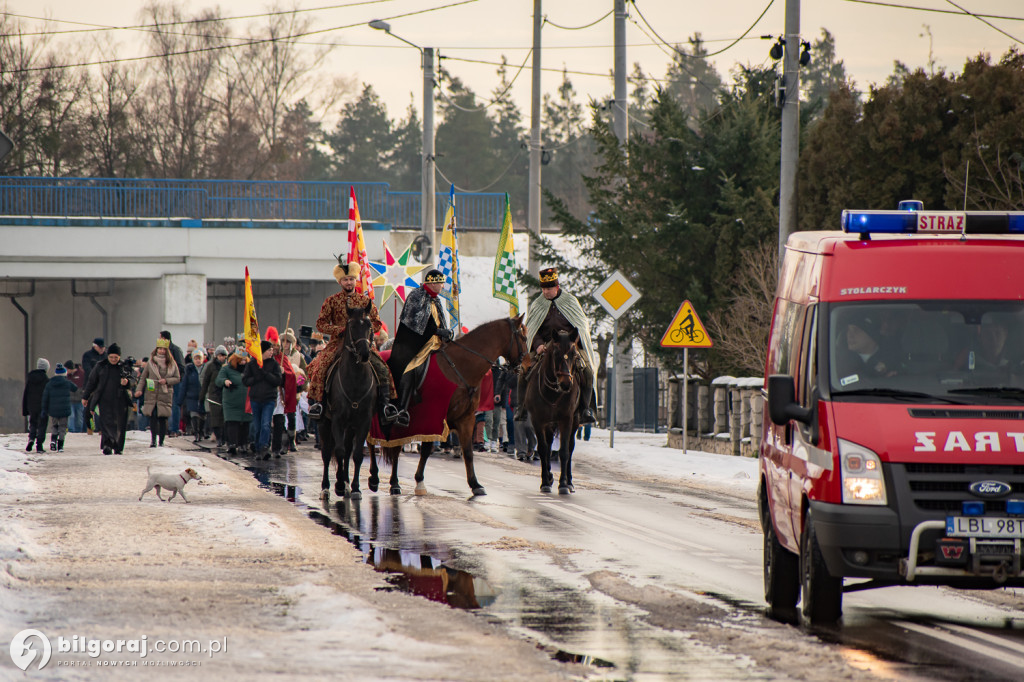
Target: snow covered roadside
(646, 455)
(239, 565)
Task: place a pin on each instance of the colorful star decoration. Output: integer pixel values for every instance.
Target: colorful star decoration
(396, 276)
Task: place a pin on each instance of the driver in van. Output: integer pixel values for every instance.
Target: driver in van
(989, 352)
(866, 354)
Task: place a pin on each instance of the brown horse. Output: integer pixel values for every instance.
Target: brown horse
(464, 362)
(552, 396)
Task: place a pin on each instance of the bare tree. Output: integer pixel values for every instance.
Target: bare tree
(40, 98)
(175, 113)
(741, 328)
(111, 140)
(273, 75)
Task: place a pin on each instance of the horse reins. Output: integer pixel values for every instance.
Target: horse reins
(351, 347)
(512, 342)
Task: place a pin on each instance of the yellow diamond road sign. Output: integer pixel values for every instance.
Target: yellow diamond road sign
(616, 295)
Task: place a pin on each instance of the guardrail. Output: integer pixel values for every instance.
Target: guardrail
(235, 200)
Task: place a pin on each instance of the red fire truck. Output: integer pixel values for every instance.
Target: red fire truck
(894, 452)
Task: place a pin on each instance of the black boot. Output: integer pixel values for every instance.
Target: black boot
(152, 439)
(291, 441)
(196, 435)
(31, 442)
(53, 443)
(387, 411)
(60, 445)
(39, 445)
(405, 391)
(586, 416)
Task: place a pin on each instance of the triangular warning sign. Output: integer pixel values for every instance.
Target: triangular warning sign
(686, 330)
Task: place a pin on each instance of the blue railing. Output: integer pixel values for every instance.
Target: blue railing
(234, 200)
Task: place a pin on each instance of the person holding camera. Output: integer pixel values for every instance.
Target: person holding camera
(109, 386)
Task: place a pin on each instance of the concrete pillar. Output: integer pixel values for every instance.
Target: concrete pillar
(756, 420)
(720, 386)
(185, 307)
(735, 417)
(704, 411)
(624, 385)
(745, 398)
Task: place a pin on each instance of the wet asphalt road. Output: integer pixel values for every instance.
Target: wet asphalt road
(640, 579)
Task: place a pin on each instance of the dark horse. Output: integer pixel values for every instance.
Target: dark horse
(350, 396)
(465, 362)
(552, 395)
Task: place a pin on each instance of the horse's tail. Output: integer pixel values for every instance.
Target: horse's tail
(389, 456)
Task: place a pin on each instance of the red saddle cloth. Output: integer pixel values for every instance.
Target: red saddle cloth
(426, 418)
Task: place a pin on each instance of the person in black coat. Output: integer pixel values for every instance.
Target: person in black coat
(57, 405)
(32, 404)
(263, 383)
(110, 388)
(422, 323)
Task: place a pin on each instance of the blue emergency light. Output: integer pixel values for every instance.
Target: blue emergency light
(1015, 507)
(911, 218)
(973, 508)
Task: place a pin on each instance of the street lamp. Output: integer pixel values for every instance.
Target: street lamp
(427, 210)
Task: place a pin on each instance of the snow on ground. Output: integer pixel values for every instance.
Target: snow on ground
(649, 453)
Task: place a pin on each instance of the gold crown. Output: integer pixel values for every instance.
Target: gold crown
(435, 278)
(163, 343)
(549, 275)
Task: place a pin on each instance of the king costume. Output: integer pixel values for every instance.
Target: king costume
(333, 320)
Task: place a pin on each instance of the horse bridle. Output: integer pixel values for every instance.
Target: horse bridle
(555, 385)
(351, 347)
(514, 342)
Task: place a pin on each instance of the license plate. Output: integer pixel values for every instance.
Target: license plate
(984, 527)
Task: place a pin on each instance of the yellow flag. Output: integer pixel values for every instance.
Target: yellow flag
(252, 327)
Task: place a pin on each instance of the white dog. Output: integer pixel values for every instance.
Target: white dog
(173, 482)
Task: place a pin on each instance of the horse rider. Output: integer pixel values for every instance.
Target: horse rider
(554, 311)
(421, 329)
(333, 320)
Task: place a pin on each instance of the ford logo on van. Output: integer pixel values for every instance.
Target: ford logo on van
(990, 488)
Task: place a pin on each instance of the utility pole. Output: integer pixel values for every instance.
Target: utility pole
(428, 212)
(790, 127)
(533, 215)
(620, 389)
(620, 109)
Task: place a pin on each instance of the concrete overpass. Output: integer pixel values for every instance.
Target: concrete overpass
(124, 259)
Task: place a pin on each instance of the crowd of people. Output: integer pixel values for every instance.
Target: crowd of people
(217, 395)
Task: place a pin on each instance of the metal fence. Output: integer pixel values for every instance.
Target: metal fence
(235, 200)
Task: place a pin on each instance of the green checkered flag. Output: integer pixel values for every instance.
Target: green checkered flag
(504, 280)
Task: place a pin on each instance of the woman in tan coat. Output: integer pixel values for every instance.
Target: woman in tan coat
(157, 383)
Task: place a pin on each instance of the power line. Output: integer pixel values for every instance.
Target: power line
(500, 97)
(711, 54)
(679, 63)
(554, 70)
(579, 28)
(485, 187)
(936, 10)
(985, 21)
(197, 20)
(212, 48)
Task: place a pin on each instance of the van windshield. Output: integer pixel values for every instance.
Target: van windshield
(969, 352)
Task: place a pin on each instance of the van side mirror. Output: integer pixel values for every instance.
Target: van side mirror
(782, 405)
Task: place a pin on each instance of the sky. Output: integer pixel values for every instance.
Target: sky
(869, 37)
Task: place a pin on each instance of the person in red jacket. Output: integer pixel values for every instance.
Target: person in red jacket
(287, 398)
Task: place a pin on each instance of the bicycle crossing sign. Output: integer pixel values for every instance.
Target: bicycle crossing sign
(616, 294)
(686, 330)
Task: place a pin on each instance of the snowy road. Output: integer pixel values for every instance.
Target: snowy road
(651, 570)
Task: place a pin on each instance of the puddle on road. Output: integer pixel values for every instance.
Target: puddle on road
(416, 573)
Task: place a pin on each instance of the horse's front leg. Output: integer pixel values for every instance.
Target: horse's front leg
(326, 452)
(374, 481)
(466, 428)
(356, 453)
(341, 457)
(568, 444)
(425, 450)
(393, 481)
(544, 436)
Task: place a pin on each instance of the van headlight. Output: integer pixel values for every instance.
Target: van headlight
(861, 471)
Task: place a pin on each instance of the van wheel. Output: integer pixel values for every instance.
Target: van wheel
(781, 577)
(822, 594)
